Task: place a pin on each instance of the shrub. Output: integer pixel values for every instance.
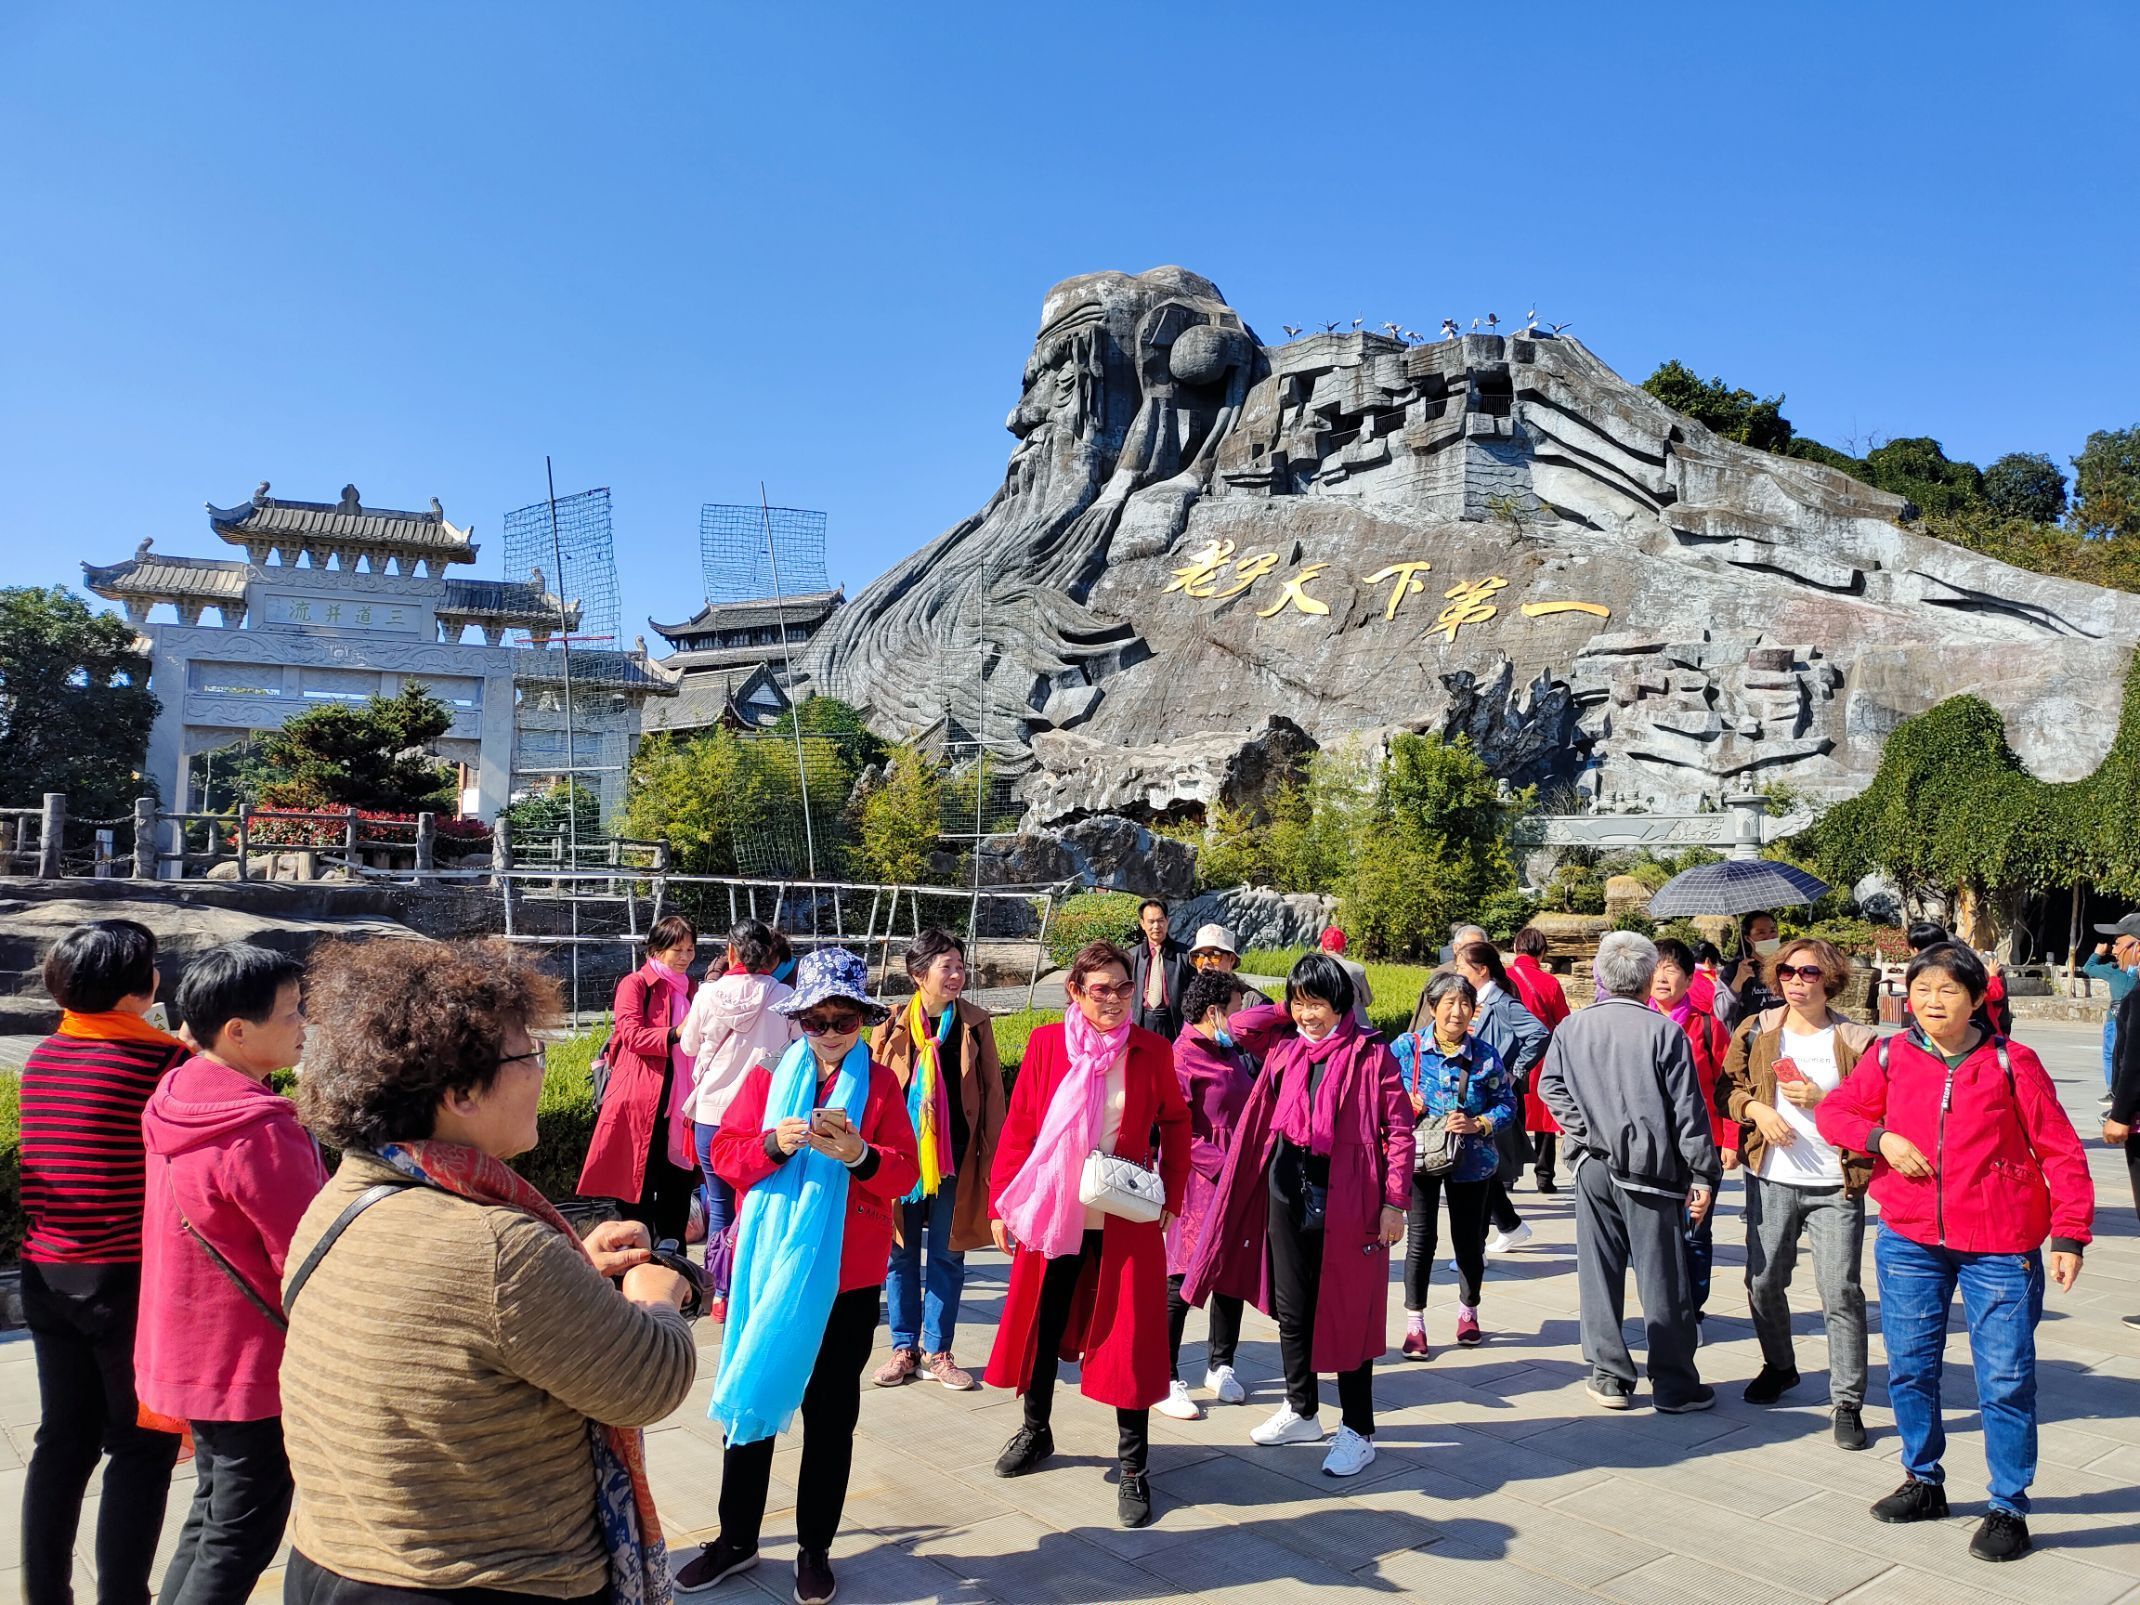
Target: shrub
(10, 1167)
(1503, 914)
(1633, 919)
(1089, 917)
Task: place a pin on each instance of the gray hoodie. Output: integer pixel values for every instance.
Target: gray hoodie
(1620, 1079)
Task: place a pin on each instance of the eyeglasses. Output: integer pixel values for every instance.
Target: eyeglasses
(1800, 972)
(1100, 992)
(538, 1054)
(817, 1025)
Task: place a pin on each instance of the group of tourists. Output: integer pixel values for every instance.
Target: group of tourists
(455, 1403)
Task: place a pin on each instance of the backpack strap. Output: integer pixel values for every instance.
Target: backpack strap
(356, 1206)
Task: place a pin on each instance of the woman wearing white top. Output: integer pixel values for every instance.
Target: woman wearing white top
(1783, 1061)
(732, 1026)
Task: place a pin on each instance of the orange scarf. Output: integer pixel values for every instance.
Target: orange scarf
(113, 1025)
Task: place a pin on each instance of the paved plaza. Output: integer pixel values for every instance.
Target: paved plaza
(1497, 1479)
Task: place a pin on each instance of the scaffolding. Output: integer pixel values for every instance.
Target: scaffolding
(581, 548)
(748, 550)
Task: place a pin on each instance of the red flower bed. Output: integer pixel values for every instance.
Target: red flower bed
(273, 827)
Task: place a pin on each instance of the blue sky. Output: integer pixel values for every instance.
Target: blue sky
(687, 248)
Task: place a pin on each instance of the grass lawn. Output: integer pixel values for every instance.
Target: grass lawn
(1396, 986)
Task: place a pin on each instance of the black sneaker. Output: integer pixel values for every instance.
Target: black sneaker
(1849, 1427)
(712, 1566)
(1913, 1501)
(1546, 1184)
(1133, 1500)
(2132, 1321)
(1702, 1398)
(1028, 1447)
(2001, 1535)
(1771, 1384)
(813, 1578)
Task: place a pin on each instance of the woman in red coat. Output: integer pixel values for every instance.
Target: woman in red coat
(1310, 1201)
(644, 1153)
(1087, 1286)
(1538, 989)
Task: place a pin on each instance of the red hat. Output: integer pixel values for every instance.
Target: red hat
(1333, 940)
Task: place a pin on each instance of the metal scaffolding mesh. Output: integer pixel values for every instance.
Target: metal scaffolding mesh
(736, 561)
(765, 804)
(589, 555)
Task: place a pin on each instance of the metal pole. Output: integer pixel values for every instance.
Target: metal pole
(787, 659)
(1040, 953)
(572, 760)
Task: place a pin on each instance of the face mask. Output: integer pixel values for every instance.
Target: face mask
(1224, 1039)
(1767, 948)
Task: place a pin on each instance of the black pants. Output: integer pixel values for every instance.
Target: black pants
(664, 1205)
(81, 1321)
(831, 1405)
(1225, 1338)
(306, 1583)
(1058, 1292)
(1467, 1236)
(1500, 1208)
(241, 1501)
(1296, 1274)
(1545, 1154)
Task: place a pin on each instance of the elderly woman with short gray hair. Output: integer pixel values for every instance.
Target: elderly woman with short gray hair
(1620, 1079)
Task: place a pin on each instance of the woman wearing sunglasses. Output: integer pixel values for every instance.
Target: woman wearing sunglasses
(818, 1149)
(1781, 1065)
(1087, 1284)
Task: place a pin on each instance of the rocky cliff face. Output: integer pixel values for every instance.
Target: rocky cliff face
(1493, 535)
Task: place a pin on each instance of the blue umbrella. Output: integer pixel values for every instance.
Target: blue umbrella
(1735, 886)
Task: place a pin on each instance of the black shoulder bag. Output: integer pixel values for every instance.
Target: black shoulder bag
(279, 1318)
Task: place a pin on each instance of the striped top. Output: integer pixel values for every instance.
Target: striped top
(82, 1158)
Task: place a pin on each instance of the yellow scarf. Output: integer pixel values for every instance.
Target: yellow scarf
(928, 1100)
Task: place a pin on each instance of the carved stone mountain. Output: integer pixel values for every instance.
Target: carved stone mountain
(1495, 535)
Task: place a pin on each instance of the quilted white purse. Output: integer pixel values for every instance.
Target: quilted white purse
(1116, 1186)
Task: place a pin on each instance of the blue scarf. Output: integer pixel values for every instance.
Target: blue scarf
(787, 1266)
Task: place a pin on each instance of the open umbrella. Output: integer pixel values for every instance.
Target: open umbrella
(1735, 886)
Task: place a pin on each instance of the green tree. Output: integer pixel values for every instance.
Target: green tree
(2025, 485)
(75, 705)
(234, 777)
(1740, 415)
(902, 820)
(373, 754)
(687, 792)
(1917, 468)
(1235, 850)
(2106, 483)
(561, 807)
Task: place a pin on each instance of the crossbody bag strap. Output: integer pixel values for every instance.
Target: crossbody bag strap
(273, 1316)
(356, 1206)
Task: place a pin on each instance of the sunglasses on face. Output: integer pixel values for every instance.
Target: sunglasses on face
(819, 1025)
(1800, 972)
(1101, 992)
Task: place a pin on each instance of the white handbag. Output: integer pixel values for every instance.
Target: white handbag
(1117, 1186)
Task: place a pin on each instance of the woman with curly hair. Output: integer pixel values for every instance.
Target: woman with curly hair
(463, 1387)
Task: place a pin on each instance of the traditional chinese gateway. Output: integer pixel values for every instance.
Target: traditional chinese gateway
(1492, 534)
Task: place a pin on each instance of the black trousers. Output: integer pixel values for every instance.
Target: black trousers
(1225, 1339)
(81, 1320)
(1058, 1292)
(1296, 1274)
(241, 1501)
(306, 1583)
(1545, 1153)
(664, 1204)
(831, 1405)
(1467, 1236)
(1500, 1208)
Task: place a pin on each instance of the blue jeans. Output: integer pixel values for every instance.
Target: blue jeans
(917, 1323)
(720, 1197)
(2110, 1045)
(1701, 1252)
(2002, 1300)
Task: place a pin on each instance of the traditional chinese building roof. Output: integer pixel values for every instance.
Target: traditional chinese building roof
(266, 524)
(168, 579)
(757, 613)
(508, 603)
(629, 672)
(744, 697)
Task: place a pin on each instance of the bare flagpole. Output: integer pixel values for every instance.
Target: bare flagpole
(787, 658)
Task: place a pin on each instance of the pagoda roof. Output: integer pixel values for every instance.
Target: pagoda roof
(593, 670)
(756, 612)
(195, 579)
(269, 521)
(711, 697)
(513, 602)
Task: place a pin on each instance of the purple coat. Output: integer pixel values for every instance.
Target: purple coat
(1370, 1169)
(1215, 1081)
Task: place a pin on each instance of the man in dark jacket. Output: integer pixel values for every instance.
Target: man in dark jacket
(2121, 1124)
(1620, 1079)
(1159, 969)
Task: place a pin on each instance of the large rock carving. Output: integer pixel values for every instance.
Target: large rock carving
(1494, 535)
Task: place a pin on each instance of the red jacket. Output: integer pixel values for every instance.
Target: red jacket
(639, 1056)
(2007, 1169)
(1118, 1319)
(740, 1159)
(1539, 990)
(1711, 1041)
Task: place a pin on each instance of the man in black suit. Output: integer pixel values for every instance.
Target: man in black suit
(1159, 969)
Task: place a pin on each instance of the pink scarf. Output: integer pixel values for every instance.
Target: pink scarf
(682, 1149)
(1681, 1012)
(1040, 1206)
(1305, 1122)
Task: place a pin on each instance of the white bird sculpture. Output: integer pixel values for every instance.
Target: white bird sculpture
(1474, 324)
(1290, 328)
(1449, 329)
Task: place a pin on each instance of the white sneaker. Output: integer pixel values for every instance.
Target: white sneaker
(1286, 1427)
(1179, 1405)
(1222, 1381)
(1350, 1454)
(1502, 1242)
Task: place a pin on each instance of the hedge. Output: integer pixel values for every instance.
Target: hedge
(1091, 917)
(10, 1167)
(1396, 986)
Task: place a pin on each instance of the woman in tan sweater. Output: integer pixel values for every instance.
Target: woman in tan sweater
(462, 1385)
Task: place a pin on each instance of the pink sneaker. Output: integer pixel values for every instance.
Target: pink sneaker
(899, 1370)
(1467, 1327)
(1415, 1344)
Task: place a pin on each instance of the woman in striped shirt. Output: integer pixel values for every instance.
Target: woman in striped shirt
(82, 1093)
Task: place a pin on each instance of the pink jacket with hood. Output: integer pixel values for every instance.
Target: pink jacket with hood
(230, 1153)
(731, 1022)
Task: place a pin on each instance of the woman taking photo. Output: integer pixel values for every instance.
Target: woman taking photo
(818, 1149)
(1519, 1040)
(1460, 1086)
(1782, 1064)
(1310, 1201)
(462, 1386)
(643, 1152)
(1672, 993)
(1215, 1080)
(1976, 1164)
(1088, 1285)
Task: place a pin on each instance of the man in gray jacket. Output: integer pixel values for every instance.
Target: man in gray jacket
(1620, 1079)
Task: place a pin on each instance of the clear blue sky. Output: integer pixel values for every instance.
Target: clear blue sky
(684, 248)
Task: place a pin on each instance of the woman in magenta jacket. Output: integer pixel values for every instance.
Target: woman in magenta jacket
(1976, 1163)
(644, 1152)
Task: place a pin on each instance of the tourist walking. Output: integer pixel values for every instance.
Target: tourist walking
(1159, 966)
(1672, 994)
(1620, 1079)
(83, 1089)
(942, 1049)
(1976, 1165)
(463, 1386)
(2114, 962)
(230, 1172)
(1089, 1262)
(643, 1153)
(1519, 1040)
(1540, 991)
(1780, 1067)
(819, 1149)
(731, 1027)
(1310, 1202)
(1216, 1075)
(1463, 1097)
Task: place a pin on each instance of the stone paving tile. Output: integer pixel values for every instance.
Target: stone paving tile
(1475, 1574)
(1017, 1558)
(2049, 1576)
(1683, 1580)
(1491, 1464)
(1779, 1550)
(1343, 1535)
(1248, 1565)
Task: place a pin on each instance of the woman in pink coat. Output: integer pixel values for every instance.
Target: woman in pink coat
(1310, 1201)
(643, 1153)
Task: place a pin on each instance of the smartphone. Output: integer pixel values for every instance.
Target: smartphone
(1787, 1070)
(828, 1120)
